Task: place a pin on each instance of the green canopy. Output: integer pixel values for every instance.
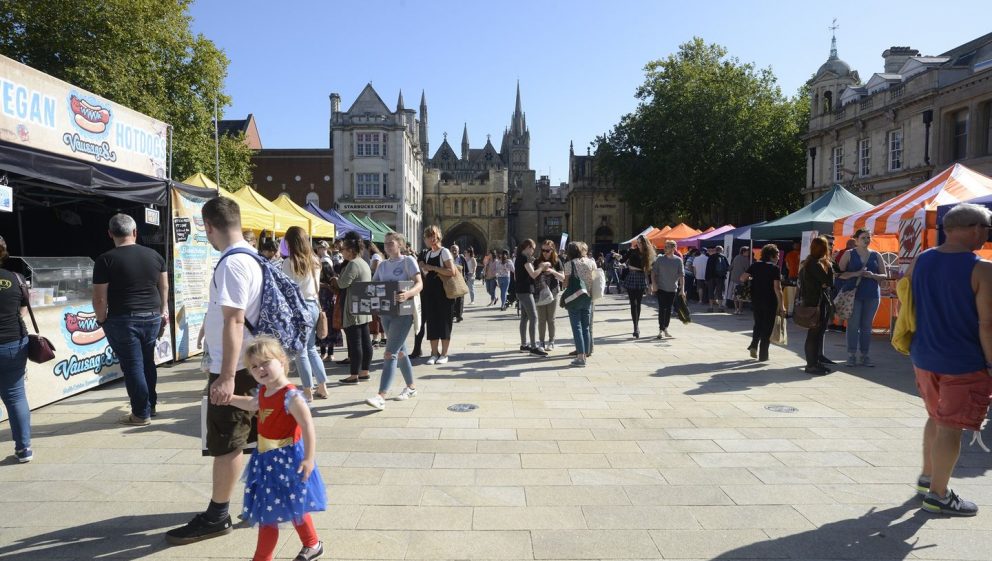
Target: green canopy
(378, 236)
(819, 215)
(380, 225)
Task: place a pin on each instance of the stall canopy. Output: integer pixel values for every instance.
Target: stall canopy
(819, 215)
(252, 217)
(679, 232)
(646, 231)
(953, 185)
(281, 220)
(341, 224)
(319, 228)
(378, 236)
(696, 241)
(76, 176)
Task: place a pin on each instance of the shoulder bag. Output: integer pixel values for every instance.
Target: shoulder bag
(321, 326)
(844, 302)
(454, 286)
(40, 349)
(805, 316)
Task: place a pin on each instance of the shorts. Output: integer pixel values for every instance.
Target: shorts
(228, 427)
(955, 400)
(715, 287)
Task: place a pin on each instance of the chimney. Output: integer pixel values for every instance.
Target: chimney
(335, 103)
(895, 57)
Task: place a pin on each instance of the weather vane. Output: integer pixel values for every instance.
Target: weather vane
(833, 28)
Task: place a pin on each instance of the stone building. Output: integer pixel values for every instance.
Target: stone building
(378, 160)
(471, 210)
(596, 213)
(304, 173)
(917, 116)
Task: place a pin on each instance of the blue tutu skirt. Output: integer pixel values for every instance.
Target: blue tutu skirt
(275, 493)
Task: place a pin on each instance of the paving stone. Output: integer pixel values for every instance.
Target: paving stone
(758, 517)
(576, 496)
(473, 496)
(593, 544)
(639, 517)
(469, 545)
(415, 518)
(529, 518)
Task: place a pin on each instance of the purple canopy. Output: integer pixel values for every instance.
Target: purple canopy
(341, 224)
(694, 241)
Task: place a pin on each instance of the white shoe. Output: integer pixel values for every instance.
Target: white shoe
(667, 334)
(376, 402)
(541, 347)
(406, 394)
(433, 359)
(550, 347)
(661, 335)
(443, 359)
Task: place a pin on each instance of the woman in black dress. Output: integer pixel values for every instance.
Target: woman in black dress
(766, 299)
(438, 309)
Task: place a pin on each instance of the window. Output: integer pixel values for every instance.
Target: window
(457, 206)
(313, 197)
(895, 150)
(367, 185)
(552, 226)
(959, 141)
(837, 158)
(367, 144)
(864, 157)
(474, 208)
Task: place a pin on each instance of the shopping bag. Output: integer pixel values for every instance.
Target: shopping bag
(780, 334)
(682, 309)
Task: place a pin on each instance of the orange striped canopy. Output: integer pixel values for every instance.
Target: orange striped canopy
(955, 184)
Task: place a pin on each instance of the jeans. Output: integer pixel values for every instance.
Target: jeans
(546, 320)
(581, 320)
(397, 330)
(665, 301)
(13, 362)
(715, 289)
(859, 325)
(764, 323)
(491, 289)
(309, 363)
(504, 284)
(359, 347)
(133, 340)
(470, 281)
(814, 339)
(528, 317)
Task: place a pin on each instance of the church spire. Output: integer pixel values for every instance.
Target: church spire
(519, 123)
(518, 110)
(424, 146)
(833, 40)
(399, 103)
(465, 142)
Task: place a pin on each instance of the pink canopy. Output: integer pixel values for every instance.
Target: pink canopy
(694, 241)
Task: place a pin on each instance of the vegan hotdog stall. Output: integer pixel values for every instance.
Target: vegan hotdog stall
(69, 160)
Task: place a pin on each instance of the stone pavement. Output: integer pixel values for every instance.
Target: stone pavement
(656, 450)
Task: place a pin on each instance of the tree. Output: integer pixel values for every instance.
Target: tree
(138, 53)
(711, 141)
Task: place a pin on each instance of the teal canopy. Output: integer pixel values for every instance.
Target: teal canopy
(819, 215)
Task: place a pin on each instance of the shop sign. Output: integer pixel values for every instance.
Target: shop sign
(911, 234)
(368, 207)
(6, 198)
(193, 263)
(152, 217)
(42, 112)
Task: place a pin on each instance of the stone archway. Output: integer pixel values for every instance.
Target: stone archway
(467, 234)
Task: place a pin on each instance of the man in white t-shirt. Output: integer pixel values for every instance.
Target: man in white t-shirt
(235, 295)
(699, 269)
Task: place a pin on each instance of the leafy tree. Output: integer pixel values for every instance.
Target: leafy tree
(712, 140)
(138, 53)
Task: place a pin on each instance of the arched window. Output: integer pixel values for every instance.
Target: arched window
(447, 205)
(474, 209)
(457, 207)
(828, 102)
(313, 197)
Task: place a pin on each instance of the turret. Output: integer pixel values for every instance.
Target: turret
(465, 142)
(424, 147)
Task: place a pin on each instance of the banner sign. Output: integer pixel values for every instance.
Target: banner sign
(911, 234)
(564, 240)
(193, 261)
(367, 207)
(804, 247)
(45, 113)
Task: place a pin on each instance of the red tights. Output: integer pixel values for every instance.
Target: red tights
(268, 538)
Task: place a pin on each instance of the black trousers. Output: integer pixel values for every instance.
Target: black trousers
(359, 347)
(459, 306)
(814, 339)
(665, 301)
(418, 339)
(764, 323)
(635, 295)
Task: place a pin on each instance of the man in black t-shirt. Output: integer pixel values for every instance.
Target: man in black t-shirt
(131, 302)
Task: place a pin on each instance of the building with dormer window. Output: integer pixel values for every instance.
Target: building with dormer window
(917, 116)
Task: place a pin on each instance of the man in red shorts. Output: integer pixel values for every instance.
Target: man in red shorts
(952, 349)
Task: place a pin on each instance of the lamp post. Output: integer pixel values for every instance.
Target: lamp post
(927, 120)
(812, 167)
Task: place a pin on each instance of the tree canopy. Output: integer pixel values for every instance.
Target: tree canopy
(712, 141)
(140, 54)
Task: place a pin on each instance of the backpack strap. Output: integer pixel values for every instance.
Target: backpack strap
(258, 259)
(27, 298)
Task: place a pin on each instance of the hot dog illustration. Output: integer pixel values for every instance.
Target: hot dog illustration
(83, 328)
(89, 117)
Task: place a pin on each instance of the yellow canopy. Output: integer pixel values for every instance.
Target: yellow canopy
(319, 228)
(253, 217)
(281, 220)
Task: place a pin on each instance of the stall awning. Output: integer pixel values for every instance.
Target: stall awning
(695, 241)
(679, 232)
(645, 232)
(819, 215)
(252, 216)
(281, 219)
(341, 224)
(58, 172)
(378, 236)
(955, 184)
(319, 228)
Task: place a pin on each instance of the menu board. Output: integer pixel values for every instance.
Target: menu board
(193, 262)
(379, 298)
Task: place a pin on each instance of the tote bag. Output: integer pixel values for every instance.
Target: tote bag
(844, 302)
(780, 332)
(454, 286)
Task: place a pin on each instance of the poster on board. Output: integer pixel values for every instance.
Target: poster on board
(193, 262)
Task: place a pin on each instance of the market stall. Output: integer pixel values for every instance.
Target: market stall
(818, 216)
(281, 219)
(319, 228)
(378, 236)
(645, 232)
(697, 240)
(341, 224)
(253, 217)
(679, 232)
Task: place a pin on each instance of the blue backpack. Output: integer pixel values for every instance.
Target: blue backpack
(283, 312)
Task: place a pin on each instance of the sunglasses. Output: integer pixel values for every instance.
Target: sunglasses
(546, 250)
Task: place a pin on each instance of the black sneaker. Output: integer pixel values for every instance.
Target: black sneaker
(524, 348)
(922, 485)
(198, 529)
(951, 505)
(310, 553)
(538, 351)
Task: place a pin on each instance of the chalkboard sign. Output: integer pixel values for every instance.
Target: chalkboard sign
(182, 229)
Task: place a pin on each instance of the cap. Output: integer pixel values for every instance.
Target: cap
(323, 243)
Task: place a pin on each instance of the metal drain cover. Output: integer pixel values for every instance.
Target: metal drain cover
(462, 407)
(781, 408)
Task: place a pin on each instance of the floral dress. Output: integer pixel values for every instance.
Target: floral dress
(274, 492)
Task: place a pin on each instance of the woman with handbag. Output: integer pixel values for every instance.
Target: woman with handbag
(303, 268)
(862, 270)
(525, 274)
(549, 284)
(582, 268)
(766, 299)
(14, 357)
(816, 276)
(397, 267)
(438, 308)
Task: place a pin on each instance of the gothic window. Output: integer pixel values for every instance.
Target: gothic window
(313, 197)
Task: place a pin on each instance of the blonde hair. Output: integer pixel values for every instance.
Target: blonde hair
(266, 348)
(400, 239)
(433, 230)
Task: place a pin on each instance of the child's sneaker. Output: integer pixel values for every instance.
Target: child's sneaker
(310, 553)
(951, 505)
(406, 394)
(376, 402)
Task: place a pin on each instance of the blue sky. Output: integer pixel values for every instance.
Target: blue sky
(578, 62)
